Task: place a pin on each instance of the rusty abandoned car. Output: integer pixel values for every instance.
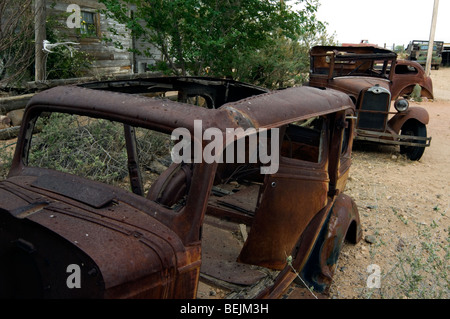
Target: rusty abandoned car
(373, 77)
(109, 205)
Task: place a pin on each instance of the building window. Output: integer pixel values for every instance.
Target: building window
(88, 25)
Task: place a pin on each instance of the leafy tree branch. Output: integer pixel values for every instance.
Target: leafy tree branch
(227, 38)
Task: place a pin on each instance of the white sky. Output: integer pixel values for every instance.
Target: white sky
(384, 21)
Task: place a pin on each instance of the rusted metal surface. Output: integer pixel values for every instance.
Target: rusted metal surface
(221, 263)
(335, 231)
(93, 232)
(332, 65)
(133, 245)
(373, 77)
(386, 138)
(407, 75)
(285, 193)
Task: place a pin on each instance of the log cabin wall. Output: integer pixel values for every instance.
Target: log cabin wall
(107, 58)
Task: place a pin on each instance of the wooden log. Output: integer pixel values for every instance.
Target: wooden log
(9, 133)
(8, 104)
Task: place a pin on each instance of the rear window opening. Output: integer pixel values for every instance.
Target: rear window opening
(405, 69)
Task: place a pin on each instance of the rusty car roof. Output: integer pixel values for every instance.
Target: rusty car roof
(265, 110)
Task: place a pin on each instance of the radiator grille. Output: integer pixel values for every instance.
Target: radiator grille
(372, 101)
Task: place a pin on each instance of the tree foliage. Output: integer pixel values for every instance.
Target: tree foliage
(251, 40)
(16, 40)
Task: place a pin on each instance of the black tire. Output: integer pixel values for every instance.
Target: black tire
(311, 273)
(413, 128)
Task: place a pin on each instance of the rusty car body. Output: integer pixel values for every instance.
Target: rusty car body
(217, 223)
(374, 79)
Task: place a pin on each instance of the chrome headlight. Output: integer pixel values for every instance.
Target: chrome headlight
(401, 105)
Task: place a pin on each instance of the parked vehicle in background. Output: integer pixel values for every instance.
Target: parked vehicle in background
(446, 55)
(94, 193)
(418, 51)
(373, 77)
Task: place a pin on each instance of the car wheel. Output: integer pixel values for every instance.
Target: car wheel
(319, 270)
(413, 128)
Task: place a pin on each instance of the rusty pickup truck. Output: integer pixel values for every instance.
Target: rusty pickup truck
(374, 79)
(102, 202)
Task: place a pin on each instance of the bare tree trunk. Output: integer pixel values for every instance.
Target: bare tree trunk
(40, 35)
(178, 44)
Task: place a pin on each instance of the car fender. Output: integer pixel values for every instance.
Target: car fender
(404, 84)
(342, 223)
(416, 113)
(408, 89)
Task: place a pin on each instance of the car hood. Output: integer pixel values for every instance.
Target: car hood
(124, 241)
(353, 85)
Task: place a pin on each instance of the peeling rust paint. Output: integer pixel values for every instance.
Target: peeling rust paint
(373, 77)
(131, 245)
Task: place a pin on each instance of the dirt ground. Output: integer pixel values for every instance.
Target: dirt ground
(404, 208)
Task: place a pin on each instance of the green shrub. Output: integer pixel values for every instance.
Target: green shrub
(6, 155)
(92, 148)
